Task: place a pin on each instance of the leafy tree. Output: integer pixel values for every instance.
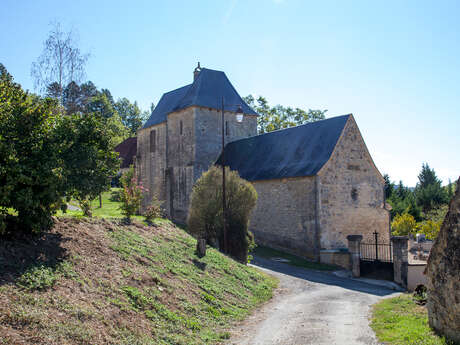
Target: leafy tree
(205, 219)
(403, 225)
(60, 63)
(279, 117)
(88, 157)
(130, 113)
(31, 173)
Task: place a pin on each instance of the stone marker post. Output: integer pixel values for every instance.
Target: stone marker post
(201, 247)
(400, 259)
(353, 247)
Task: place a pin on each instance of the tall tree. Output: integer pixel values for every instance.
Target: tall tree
(279, 117)
(60, 63)
(429, 192)
(130, 113)
(389, 186)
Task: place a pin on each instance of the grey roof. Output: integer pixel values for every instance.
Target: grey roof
(291, 152)
(207, 90)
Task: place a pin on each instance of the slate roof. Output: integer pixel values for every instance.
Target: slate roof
(291, 152)
(206, 91)
(127, 150)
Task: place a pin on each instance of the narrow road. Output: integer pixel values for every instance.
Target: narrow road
(311, 307)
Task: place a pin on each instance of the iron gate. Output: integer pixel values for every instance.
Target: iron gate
(376, 259)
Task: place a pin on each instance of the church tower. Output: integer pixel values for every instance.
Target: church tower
(183, 137)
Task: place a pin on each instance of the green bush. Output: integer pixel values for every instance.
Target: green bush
(205, 216)
(154, 210)
(131, 194)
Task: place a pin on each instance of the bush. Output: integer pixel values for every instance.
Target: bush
(403, 225)
(131, 194)
(154, 210)
(31, 179)
(205, 216)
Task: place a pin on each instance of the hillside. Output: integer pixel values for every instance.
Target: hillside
(101, 282)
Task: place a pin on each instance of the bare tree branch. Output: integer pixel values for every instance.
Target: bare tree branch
(60, 63)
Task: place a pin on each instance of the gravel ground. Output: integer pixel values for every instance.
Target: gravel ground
(311, 307)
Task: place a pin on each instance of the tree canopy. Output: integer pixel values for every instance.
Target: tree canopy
(46, 157)
(279, 117)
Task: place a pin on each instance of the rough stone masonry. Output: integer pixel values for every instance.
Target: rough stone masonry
(443, 271)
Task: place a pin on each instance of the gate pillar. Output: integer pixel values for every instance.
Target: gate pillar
(353, 247)
(400, 259)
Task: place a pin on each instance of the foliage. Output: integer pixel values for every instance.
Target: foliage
(279, 117)
(205, 215)
(88, 157)
(154, 210)
(429, 192)
(400, 321)
(131, 194)
(46, 157)
(131, 115)
(60, 63)
(403, 225)
(31, 173)
(42, 277)
(430, 228)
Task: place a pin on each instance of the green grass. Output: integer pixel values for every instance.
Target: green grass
(110, 209)
(400, 321)
(129, 284)
(270, 253)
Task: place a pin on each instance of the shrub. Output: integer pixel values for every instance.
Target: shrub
(205, 216)
(403, 225)
(154, 210)
(131, 194)
(30, 167)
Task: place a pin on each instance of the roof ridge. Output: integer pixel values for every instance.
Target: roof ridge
(291, 128)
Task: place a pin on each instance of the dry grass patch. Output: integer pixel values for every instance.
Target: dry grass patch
(102, 282)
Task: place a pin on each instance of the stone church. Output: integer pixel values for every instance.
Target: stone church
(316, 183)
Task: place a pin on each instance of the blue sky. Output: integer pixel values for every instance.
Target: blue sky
(394, 65)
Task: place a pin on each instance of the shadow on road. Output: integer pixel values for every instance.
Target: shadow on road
(321, 277)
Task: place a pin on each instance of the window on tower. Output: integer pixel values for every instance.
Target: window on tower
(153, 138)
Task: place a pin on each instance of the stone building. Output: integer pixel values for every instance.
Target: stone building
(316, 183)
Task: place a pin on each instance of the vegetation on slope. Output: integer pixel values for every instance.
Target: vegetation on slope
(100, 282)
(400, 321)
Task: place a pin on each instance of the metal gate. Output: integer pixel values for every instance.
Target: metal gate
(376, 259)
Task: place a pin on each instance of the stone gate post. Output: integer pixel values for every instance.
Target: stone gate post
(400, 259)
(353, 247)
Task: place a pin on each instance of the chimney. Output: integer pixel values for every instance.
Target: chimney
(197, 71)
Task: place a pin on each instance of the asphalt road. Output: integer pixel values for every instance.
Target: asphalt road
(311, 307)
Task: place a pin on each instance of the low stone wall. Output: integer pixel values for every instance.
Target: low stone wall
(415, 276)
(336, 257)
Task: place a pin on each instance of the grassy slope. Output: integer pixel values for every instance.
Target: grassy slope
(400, 321)
(101, 282)
(110, 209)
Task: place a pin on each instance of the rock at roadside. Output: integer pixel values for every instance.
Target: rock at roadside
(443, 272)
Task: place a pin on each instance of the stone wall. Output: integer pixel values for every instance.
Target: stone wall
(351, 196)
(180, 162)
(284, 217)
(186, 146)
(443, 275)
(151, 166)
(208, 124)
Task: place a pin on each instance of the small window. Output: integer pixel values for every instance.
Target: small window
(354, 194)
(153, 138)
(227, 131)
(180, 127)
